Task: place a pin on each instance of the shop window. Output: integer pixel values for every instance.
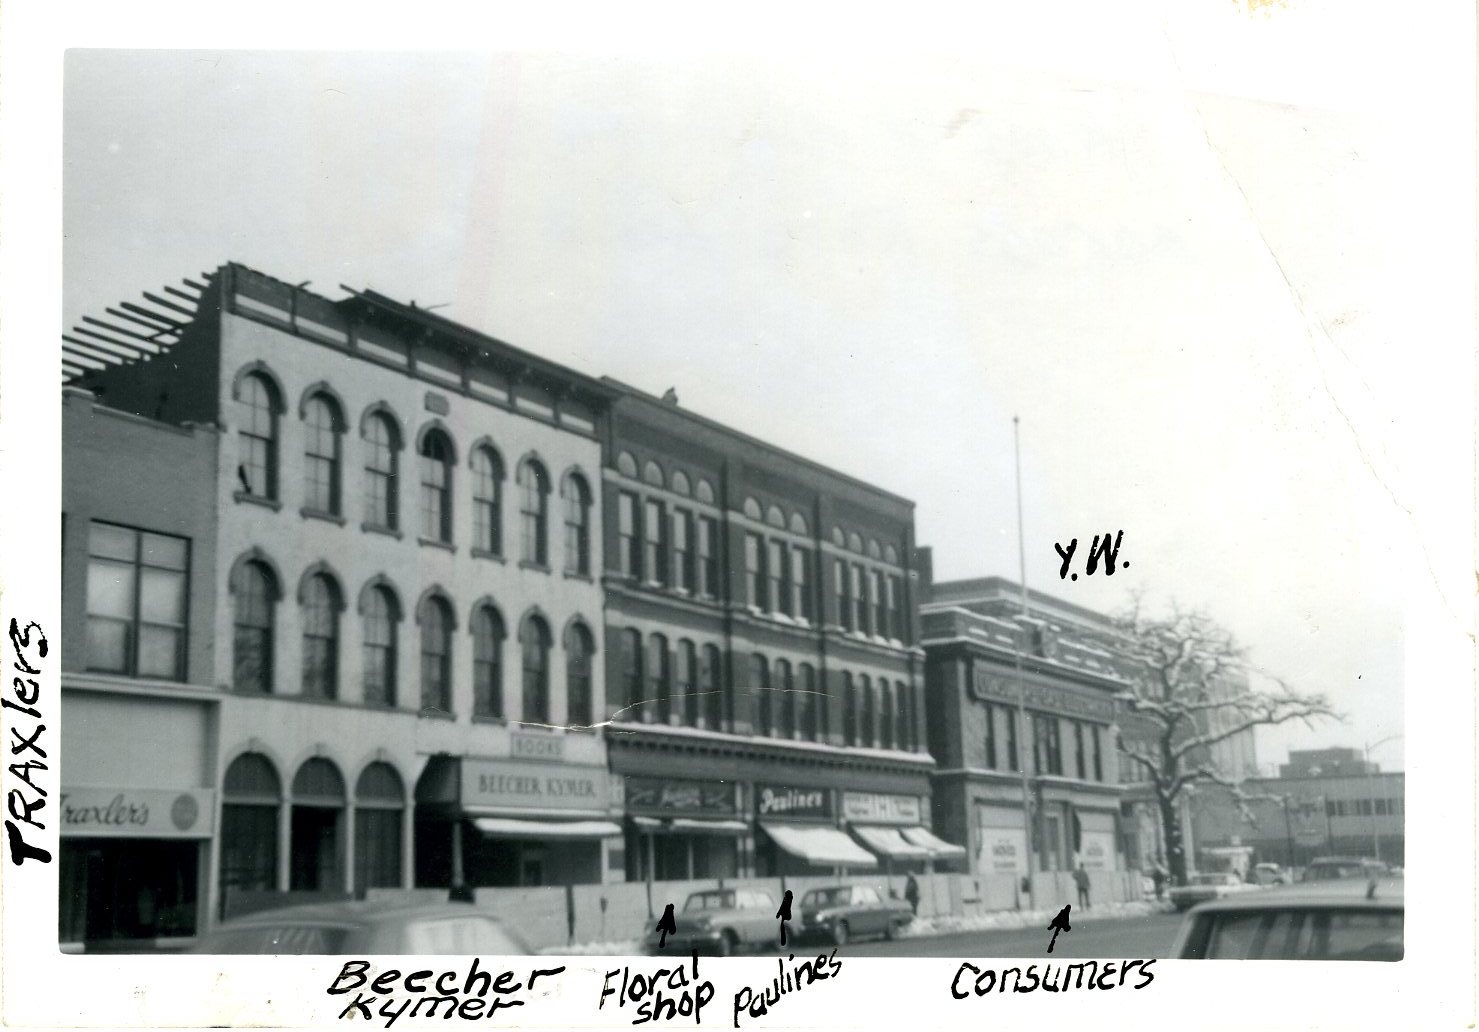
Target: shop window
(658, 704)
(708, 556)
(250, 797)
(487, 501)
(321, 604)
(579, 647)
(379, 817)
(577, 499)
(687, 686)
(383, 442)
(654, 543)
(534, 488)
(259, 406)
(255, 594)
(436, 655)
(760, 691)
(808, 703)
(785, 684)
(436, 486)
(849, 711)
(710, 681)
(534, 641)
(315, 847)
(628, 548)
(136, 602)
(381, 614)
(323, 427)
(866, 726)
(126, 890)
(487, 662)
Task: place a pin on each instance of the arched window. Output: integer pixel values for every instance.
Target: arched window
(534, 490)
(704, 492)
(487, 662)
(436, 487)
(686, 680)
(322, 426)
(660, 680)
(579, 648)
(630, 686)
(316, 835)
(577, 499)
(382, 458)
(487, 501)
(379, 805)
(865, 723)
(251, 795)
(760, 687)
(807, 702)
(652, 473)
(255, 593)
(626, 465)
(905, 716)
(381, 613)
(534, 641)
(436, 655)
(256, 473)
(680, 483)
(849, 711)
(711, 709)
(321, 605)
(785, 700)
(885, 714)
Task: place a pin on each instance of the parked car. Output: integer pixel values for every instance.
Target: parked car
(1329, 868)
(366, 928)
(1269, 874)
(1202, 887)
(1331, 920)
(722, 921)
(843, 912)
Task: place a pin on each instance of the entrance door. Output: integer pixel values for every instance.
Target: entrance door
(315, 850)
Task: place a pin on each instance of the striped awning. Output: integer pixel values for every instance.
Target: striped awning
(888, 843)
(939, 849)
(820, 845)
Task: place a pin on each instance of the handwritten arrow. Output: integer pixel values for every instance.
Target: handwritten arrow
(1059, 924)
(668, 925)
(784, 913)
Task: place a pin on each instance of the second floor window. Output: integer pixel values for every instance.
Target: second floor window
(905, 716)
(630, 678)
(578, 651)
(136, 602)
(628, 549)
(785, 699)
(807, 703)
(880, 604)
(535, 642)
(710, 679)
(534, 487)
(1080, 766)
(436, 487)
(487, 663)
(321, 427)
(840, 586)
(885, 714)
(755, 570)
(990, 736)
(654, 550)
(895, 608)
(256, 472)
(379, 647)
(859, 600)
(660, 686)
(683, 572)
(760, 686)
(866, 725)
(382, 444)
(778, 593)
(255, 594)
(708, 557)
(1098, 758)
(577, 526)
(487, 501)
(801, 583)
(685, 684)
(320, 638)
(436, 656)
(849, 711)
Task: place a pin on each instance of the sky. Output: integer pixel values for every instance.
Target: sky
(1184, 261)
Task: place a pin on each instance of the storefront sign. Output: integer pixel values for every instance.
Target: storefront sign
(537, 747)
(1097, 852)
(522, 785)
(1041, 697)
(690, 797)
(1003, 850)
(793, 801)
(138, 812)
(877, 808)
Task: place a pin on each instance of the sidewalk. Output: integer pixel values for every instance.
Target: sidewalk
(921, 928)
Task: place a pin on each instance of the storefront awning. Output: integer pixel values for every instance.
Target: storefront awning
(889, 844)
(691, 826)
(509, 827)
(826, 847)
(938, 847)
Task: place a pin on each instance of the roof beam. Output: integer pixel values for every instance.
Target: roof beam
(165, 302)
(173, 324)
(115, 343)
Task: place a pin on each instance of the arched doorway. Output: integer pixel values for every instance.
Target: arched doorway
(316, 835)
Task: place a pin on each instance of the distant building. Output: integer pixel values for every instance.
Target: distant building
(1314, 763)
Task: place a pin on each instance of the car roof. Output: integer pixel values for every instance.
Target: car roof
(1344, 893)
(355, 912)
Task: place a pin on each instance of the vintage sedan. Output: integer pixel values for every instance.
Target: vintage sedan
(1328, 920)
(843, 912)
(1334, 868)
(1202, 887)
(721, 921)
(366, 928)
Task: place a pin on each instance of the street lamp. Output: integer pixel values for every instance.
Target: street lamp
(1371, 775)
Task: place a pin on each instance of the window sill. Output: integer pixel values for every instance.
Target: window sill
(572, 575)
(490, 719)
(380, 528)
(526, 564)
(445, 546)
(251, 499)
(320, 514)
(483, 553)
(436, 714)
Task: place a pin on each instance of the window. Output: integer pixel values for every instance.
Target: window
(786, 701)
(654, 550)
(844, 596)
(256, 593)
(629, 556)
(487, 663)
(906, 730)
(1080, 767)
(1047, 756)
(436, 656)
(322, 426)
(778, 593)
(885, 714)
(1011, 723)
(683, 571)
(320, 637)
(660, 685)
(487, 501)
(631, 668)
(880, 603)
(578, 651)
(801, 583)
(686, 685)
(755, 570)
(534, 485)
(712, 706)
(534, 640)
(256, 473)
(990, 736)
(708, 557)
(436, 487)
(251, 795)
(136, 602)
(895, 608)
(577, 499)
(760, 686)
(807, 703)
(866, 724)
(381, 615)
(849, 711)
(1098, 757)
(383, 443)
(379, 803)
(859, 600)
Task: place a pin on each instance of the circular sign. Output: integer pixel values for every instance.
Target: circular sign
(185, 812)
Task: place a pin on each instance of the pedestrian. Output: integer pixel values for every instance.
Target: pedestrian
(1158, 876)
(1081, 879)
(911, 893)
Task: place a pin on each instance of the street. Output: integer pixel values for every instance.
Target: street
(1128, 937)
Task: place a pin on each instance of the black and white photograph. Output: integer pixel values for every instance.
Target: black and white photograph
(605, 510)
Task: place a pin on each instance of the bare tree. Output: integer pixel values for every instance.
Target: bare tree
(1194, 689)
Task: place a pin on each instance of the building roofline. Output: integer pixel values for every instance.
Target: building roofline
(982, 588)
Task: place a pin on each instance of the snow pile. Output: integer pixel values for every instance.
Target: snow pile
(1008, 920)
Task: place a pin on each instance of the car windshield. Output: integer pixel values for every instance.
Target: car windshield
(1351, 870)
(825, 898)
(1294, 934)
(709, 901)
(282, 940)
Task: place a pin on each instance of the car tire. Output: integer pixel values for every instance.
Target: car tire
(891, 929)
(839, 933)
(728, 943)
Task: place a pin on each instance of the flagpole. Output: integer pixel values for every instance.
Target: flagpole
(1027, 821)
